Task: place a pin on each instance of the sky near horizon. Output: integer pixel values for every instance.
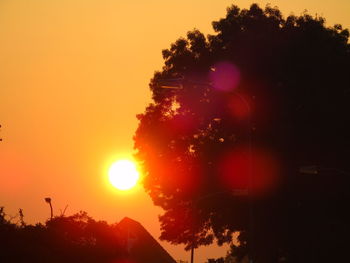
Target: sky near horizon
(73, 75)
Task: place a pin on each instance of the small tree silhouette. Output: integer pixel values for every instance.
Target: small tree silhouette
(21, 217)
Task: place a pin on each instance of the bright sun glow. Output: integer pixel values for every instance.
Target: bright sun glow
(123, 174)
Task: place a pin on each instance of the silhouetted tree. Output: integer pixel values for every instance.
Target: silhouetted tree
(245, 108)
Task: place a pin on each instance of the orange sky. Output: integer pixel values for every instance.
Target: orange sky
(73, 75)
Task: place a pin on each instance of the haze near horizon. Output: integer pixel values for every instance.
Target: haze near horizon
(73, 75)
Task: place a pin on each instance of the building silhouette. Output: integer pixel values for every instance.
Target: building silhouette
(140, 245)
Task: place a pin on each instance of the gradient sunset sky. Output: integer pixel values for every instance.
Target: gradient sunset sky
(73, 75)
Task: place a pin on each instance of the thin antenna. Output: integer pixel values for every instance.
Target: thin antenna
(64, 210)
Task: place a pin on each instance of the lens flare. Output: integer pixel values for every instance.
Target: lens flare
(256, 170)
(224, 76)
(239, 107)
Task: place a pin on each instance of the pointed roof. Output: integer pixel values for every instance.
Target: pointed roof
(141, 246)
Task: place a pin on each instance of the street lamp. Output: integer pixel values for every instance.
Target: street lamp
(48, 200)
(314, 169)
(177, 84)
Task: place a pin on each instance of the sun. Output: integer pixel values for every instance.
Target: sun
(123, 174)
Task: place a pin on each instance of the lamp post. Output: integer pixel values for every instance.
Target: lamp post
(314, 169)
(48, 200)
(177, 84)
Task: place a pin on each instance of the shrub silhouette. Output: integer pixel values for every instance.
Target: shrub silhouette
(76, 238)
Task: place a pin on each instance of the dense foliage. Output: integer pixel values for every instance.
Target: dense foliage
(246, 109)
(77, 238)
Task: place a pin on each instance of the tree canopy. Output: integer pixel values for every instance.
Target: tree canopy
(245, 109)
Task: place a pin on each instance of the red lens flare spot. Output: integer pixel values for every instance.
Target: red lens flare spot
(255, 170)
(224, 76)
(235, 169)
(239, 107)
